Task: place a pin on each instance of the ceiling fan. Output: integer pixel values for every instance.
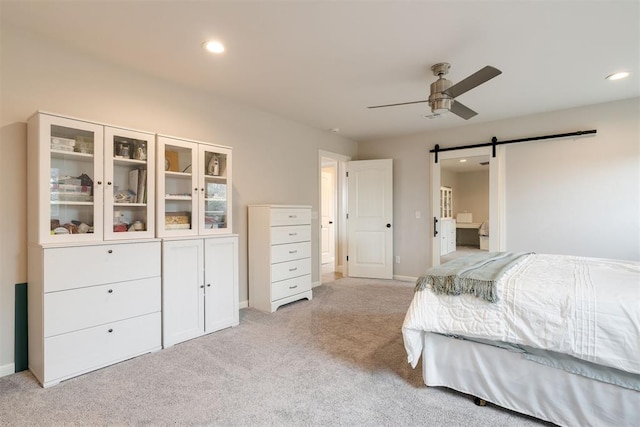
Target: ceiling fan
(443, 91)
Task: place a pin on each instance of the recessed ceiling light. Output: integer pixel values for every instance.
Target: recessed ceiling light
(213, 46)
(463, 160)
(617, 76)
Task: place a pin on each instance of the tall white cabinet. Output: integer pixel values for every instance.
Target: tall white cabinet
(94, 295)
(279, 255)
(199, 253)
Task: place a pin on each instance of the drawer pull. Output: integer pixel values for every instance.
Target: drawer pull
(110, 291)
(293, 252)
(293, 287)
(110, 330)
(293, 216)
(293, 269)
(110, 251)
(208, 285)
(293, 234)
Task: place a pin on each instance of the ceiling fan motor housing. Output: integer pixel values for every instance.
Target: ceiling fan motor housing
(439, 102)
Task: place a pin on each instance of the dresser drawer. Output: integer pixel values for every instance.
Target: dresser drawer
(286, 288)
(88, 349)
(292, 216)
(290, 234)
(75, 309)
(287, 270)
(79, 266)
(291, 251)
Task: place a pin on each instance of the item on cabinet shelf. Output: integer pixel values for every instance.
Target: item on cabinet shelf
(62, 144)
(83, 228)
(60, 230)
(137, 226)
(177, 220)
(124, 197)
(73, 229)
(123, 150)
(140, 150)
(120, 228)
(213, 166)
(55, 223)
(171, 162)
(83, 145)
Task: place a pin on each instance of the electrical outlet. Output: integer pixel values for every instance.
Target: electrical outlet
(397, 259)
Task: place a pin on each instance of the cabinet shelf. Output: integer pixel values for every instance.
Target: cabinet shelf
(171, 174)
(129, 204)
(64, 155)
(128, 162)
(213, 178)
(178, 197)
(66, 203)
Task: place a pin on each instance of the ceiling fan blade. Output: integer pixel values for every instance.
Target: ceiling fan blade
(462, 110)
(402, 103)
(475, 79)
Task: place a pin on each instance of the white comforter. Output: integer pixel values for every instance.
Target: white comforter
(585, 307)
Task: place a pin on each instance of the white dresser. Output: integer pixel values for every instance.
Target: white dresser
(279, 255)
(91, 306)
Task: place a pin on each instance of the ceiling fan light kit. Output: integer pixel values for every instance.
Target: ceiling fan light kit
(443, 92)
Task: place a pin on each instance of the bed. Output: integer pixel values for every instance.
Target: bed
(554, 337)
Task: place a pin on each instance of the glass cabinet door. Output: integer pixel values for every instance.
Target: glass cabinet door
(129, 184)
(177, 187)
(215, 189)
(71, 155)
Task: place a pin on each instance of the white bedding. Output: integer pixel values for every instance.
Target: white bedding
(588, 308)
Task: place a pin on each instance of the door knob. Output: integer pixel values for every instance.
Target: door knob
(330, 222)
(388, 225)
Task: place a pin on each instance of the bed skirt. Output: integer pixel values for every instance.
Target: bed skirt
(508, 380)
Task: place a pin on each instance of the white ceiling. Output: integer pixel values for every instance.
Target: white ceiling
(323, 62)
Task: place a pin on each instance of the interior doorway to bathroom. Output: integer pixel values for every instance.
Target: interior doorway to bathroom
(332, 206)
(471, 220)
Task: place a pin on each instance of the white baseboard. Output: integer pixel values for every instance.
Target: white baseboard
(244, 304)
(404, 278)
(7, 369)
(314, 284)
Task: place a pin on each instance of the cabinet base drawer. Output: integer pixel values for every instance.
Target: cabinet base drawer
(80, 266)
(68, 311)
(76, 353)
(286, 288)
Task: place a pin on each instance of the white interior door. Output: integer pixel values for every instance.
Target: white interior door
(370, 218)
(327, 226)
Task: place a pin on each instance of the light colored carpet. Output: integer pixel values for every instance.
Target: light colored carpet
(336, 360)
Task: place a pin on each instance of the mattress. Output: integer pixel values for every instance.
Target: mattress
(583, 307)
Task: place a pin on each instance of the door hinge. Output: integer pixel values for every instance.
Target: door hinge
(347, 216)
(347, 174)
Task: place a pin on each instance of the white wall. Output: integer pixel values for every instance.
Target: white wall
(274, 159)
(471, 194)
(578, 197)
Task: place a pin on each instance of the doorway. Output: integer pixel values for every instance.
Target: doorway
(332, 212)
(464, 206)
(469, 224)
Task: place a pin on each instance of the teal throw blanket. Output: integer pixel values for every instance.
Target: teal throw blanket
(475, 274)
